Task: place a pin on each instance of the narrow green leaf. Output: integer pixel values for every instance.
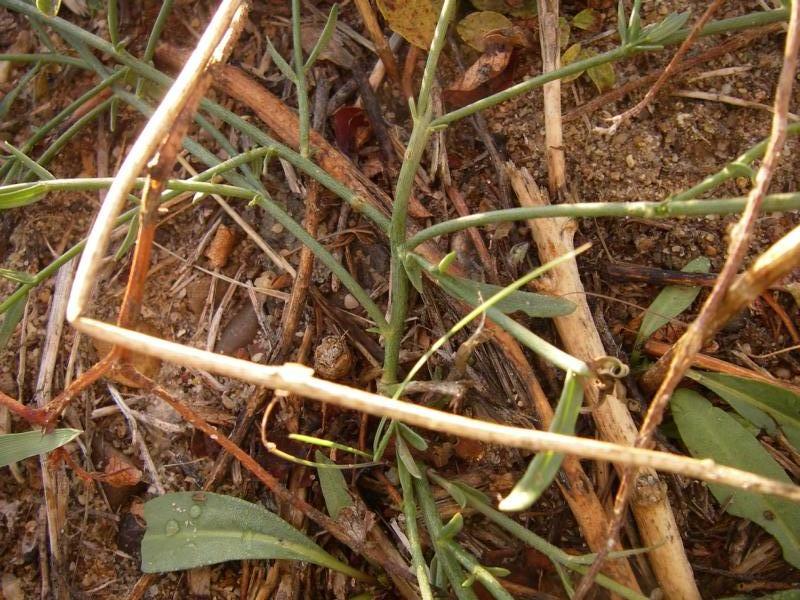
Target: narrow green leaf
(12, 316)
(334, 487)
(282, 65)
(404, 454)
(17, 276)
(622, 22)
(671, 302)
(532, 304)
(192, 529)
(709, 432)
(545, 465)
(452, 528)
(414, 272)
(14, 196)
(761, 403)
(655, 34)
(412, 437)
(324, 37)
(15, 447)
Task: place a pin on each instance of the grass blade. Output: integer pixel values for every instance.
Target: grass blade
(15, 447)
(545, 465)
(334, 487)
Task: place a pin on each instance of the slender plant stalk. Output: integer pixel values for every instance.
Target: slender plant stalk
(722, 26)
(300, 79)
(422, 115)
(648, 210)
(477, 570)
(412, 530)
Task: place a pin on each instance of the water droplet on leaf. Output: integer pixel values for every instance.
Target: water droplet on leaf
(172, 527)
(195, 511)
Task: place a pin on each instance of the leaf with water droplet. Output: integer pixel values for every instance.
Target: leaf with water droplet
(181, 534)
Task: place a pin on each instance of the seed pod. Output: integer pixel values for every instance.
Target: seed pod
(332, 358)
(221, 246)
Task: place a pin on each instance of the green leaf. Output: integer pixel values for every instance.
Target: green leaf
(413, 271)
(192, 529)
(12, 317)
(281, 63)
(49, 7)
(671, 302)
(334, 486)
(545, 465)
(761, 403)
(654, 34)
(412, 437)
(14, 196)
(17, 276)
(453, 527)
(709, 432)
(532, 304)
(404, 454)
(324, 37)
(622, 22)
(15, 447)
(588, 19)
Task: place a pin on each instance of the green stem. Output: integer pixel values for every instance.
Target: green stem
(722, 26)
(554, 553)
(648, 210)
(733, 169)
(455, 574)
(300, 81)
(47, 57)
(477, 570)
(405, 184)
(412, 531)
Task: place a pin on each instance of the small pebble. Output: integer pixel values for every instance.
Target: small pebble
(350, 303)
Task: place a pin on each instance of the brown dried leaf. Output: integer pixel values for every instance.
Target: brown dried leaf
(487, 75)
(415, 20)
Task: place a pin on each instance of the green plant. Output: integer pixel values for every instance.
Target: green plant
(452, 562)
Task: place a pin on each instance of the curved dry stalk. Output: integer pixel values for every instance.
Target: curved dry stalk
(717, 307)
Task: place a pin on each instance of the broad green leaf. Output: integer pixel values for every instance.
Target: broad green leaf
(477, 26)
(761, 403)
(415, 20)
(14, 196)
(671, 302)
(587, 19)
(710, 432)
(12, 316)
(545, 465)
(334, 487)
(532, 304)
(192, 529)
(15, 447)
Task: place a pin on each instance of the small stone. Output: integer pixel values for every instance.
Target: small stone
(630, 161)
(350, 303)
(277, 228)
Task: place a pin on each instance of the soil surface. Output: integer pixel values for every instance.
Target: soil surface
(197, 294)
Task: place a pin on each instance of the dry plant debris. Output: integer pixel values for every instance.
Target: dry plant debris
(476, 392)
